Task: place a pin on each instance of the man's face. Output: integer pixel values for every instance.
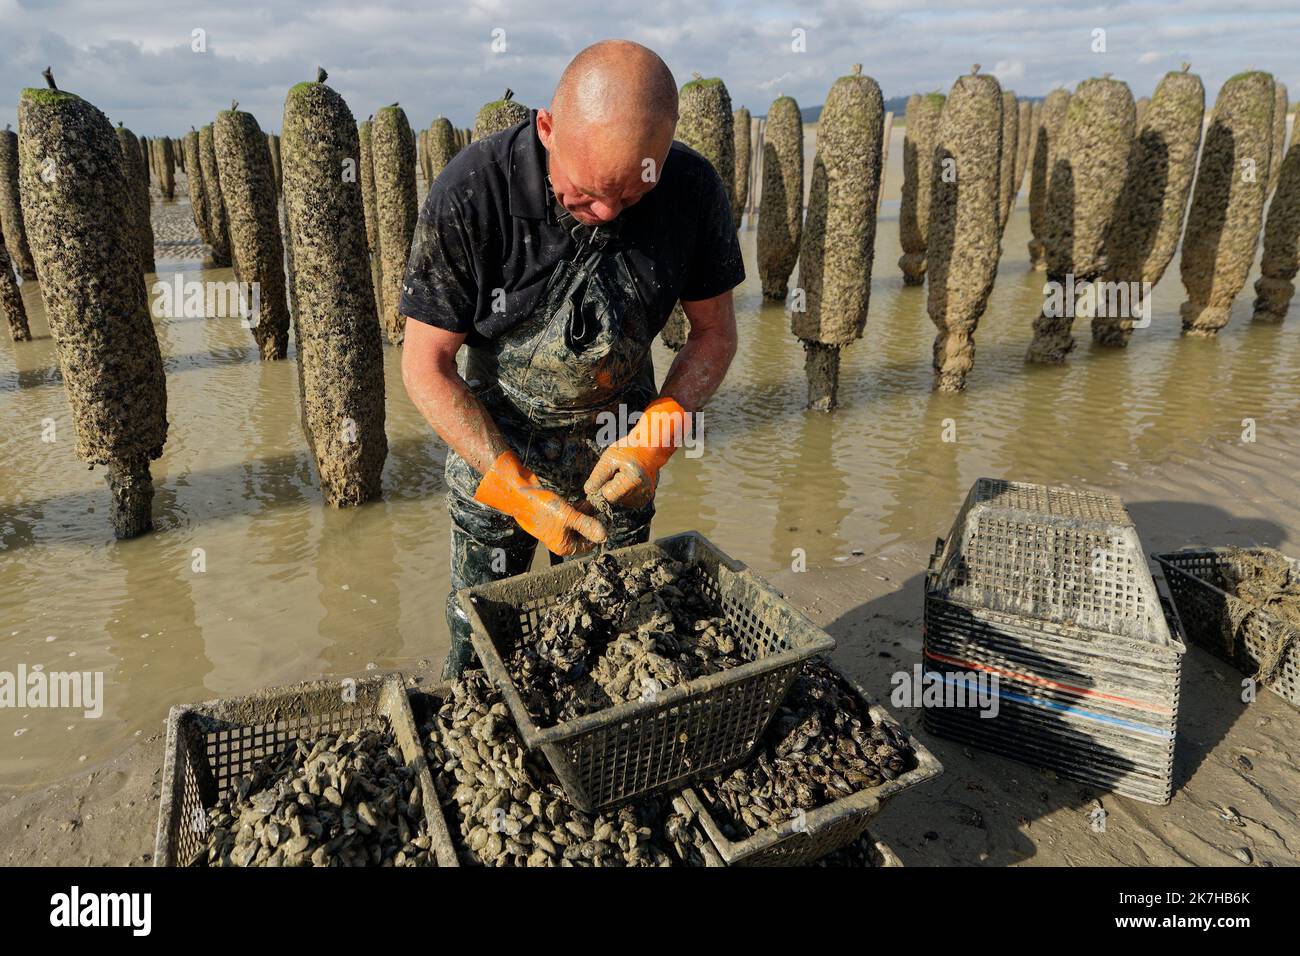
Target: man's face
(597, 173)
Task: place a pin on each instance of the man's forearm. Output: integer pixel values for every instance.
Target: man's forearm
(702, 363)
(453, 411)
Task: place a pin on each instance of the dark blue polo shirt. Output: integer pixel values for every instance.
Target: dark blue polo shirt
(487, 239)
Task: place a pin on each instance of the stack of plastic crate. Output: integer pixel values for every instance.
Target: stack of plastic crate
(1043, 596)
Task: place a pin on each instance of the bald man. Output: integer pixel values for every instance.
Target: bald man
(554, 252)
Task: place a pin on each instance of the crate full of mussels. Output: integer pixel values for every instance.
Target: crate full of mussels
(638, 670)
(329, 773)
(1045, 594)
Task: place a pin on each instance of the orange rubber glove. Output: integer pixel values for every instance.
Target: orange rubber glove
(628, 470)
(512, 488)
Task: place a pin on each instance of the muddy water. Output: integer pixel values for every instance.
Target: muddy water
(250, 580)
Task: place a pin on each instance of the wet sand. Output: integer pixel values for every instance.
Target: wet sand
(293, 591)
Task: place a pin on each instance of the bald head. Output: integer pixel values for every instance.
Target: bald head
(616, 83)
(610, 124)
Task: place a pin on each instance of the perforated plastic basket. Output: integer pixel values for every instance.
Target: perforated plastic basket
(685, 731)
(1047, 591)
(821, 831)
(1197, 585)
(212, 744)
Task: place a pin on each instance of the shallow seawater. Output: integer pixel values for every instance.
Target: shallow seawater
(249, 580)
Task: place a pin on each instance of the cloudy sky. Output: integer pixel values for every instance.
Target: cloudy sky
(137, 60)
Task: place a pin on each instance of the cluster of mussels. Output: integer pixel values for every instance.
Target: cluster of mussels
(506, 808)
(344, 799)
(620, 634)
(820, 746)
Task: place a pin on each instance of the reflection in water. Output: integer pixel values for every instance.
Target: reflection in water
(292, 591)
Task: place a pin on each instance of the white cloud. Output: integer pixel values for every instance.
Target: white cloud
(133, 60)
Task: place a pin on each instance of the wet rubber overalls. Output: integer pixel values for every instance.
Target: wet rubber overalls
(550, 383)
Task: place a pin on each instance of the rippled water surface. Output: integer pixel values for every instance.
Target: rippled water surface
(292, 589)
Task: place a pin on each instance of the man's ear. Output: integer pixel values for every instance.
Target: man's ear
(545, 128)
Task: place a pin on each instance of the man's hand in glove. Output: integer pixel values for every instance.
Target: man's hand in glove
(512, 488)
(628, 470)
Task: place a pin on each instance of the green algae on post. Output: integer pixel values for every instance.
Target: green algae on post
(499, 114)
(396, 208)
(11, 298)
(1149, 215)
(1007, 163)
(76, 201)
(1277, 268)
(218, 224)
(839, 235)
(780, 213)
(923, 112)
(248, 191)
(341, 350)
(1227, 209)
(1086, 183)
(964, 230)
(742, 124)
(141, 225)
(11, 209)
(1042, 160)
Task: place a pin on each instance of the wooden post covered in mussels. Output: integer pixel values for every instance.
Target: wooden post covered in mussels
(741, 126)
(341, 350)
(780, 213)
(964, 232)
(218, 224)
(1227, 208)
(1042, 159)
(141, 226)
(839, 236)
(77, 205)
(923, 113)
(396, 208)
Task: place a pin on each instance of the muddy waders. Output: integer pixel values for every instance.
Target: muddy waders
(560, 385)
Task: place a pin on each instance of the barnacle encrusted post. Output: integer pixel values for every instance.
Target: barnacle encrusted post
(1277, 268)
(11, 298)
(396, 207)
(365, 142)
(166, 167)
(1279, 134)
(1024, 133)
(1007, 164)
(442, 146)
(141, 227)
(1149, 215)
(341, 350)
(923, 113)
(248, 191)
(218, 224)
(1042, 160)
(11, 208)
(1227, 208)
(780, 213)
(273, 147)
(1086, 182)
(194, 182)
(76, 202)
(741, 126)
(964, 231)
(839, 236)
(499, 114)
